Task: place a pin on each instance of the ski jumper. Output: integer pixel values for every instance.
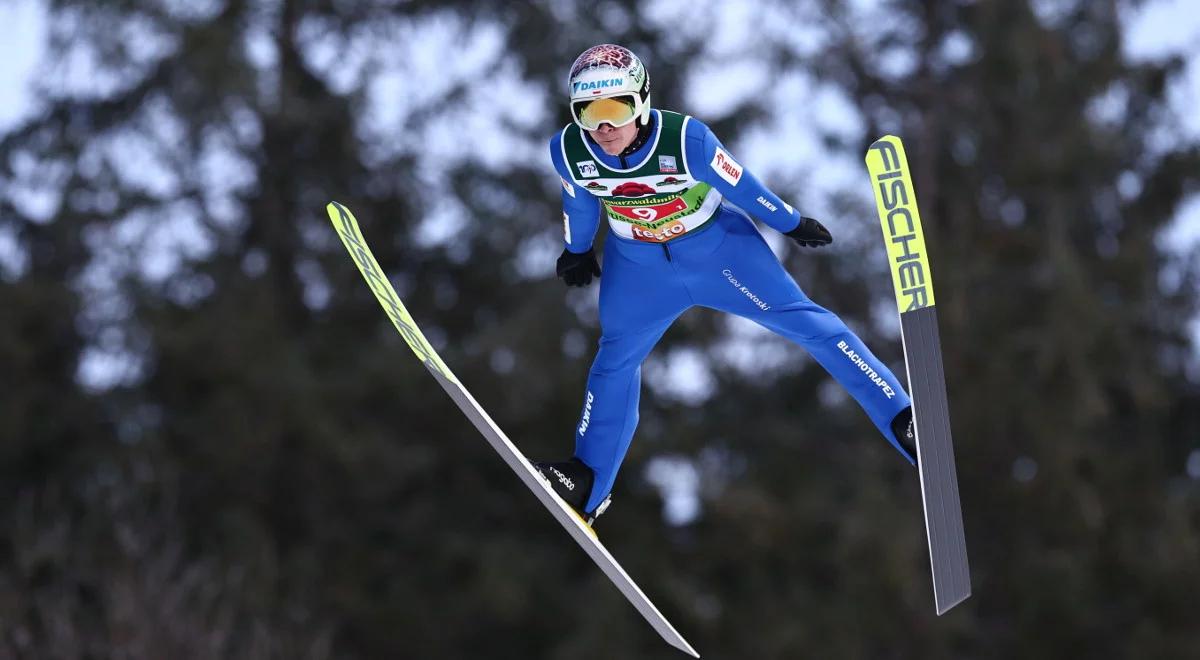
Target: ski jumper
(673, 244)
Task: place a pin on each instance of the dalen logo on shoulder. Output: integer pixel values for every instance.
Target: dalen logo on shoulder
(726, 167)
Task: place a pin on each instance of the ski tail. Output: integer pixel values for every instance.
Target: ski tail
(912, 280)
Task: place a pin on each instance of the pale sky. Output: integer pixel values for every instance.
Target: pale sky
(1158, 28)
(26, 35)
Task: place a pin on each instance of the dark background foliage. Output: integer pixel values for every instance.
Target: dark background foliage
(212, 444)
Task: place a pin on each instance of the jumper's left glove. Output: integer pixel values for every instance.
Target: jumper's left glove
(810, 233)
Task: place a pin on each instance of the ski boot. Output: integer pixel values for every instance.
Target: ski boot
(906, 435)
(572, 481)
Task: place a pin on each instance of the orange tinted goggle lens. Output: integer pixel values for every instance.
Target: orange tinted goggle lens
(615, 111)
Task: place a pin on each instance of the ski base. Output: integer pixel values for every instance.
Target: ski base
(935, 459)
(347, 228)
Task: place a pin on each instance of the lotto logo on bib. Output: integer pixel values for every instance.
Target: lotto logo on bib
(672, 229)
(650, 213)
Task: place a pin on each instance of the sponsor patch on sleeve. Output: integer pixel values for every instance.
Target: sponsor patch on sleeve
(726, 167)
(566, 227)
(567, 186)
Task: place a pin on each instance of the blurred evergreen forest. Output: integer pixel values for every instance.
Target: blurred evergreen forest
(214, 445)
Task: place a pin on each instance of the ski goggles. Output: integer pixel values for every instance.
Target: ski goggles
(615, 110)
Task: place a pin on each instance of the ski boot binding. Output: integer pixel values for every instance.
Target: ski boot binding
(572, 481)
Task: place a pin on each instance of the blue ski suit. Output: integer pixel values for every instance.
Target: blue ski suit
(704, 253)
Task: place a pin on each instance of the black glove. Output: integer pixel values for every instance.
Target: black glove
(810, 233)
(577, 269)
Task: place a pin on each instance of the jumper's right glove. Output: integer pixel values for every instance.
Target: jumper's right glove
(577, 269)
(810, 233)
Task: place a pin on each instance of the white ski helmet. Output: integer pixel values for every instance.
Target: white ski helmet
(611, 72)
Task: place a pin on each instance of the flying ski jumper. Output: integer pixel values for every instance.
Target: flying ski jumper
(675, 244)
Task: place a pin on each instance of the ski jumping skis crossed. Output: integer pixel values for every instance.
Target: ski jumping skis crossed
(347, 229)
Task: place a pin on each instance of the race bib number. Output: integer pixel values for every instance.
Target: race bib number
(647, 214)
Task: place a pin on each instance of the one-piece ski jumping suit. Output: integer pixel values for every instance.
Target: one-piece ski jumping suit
(672, 245)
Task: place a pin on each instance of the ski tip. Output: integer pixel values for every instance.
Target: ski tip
(340, 215)
(884, 145)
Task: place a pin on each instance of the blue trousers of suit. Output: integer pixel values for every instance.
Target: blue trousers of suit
(725, 266)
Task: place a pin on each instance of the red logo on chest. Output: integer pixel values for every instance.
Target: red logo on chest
(632, 189)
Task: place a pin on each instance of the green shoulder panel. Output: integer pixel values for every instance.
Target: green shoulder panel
(574, 150)
(672, 125)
